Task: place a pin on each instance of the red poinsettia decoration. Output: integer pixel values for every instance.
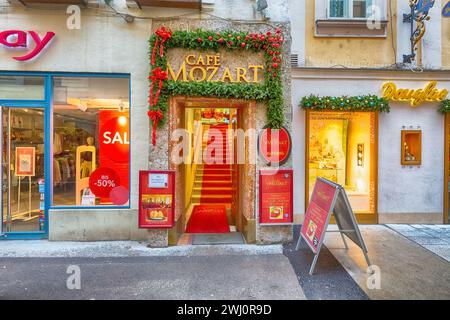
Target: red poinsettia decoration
(155, 116)
(163, 35)
(160, 75)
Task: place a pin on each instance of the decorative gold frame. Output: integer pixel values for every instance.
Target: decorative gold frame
(446, 166)
(418, 160)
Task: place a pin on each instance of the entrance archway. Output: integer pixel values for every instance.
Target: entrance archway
(218, 181)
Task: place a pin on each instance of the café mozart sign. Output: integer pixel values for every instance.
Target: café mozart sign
(214, 67)
(430, 93)
(29, 41)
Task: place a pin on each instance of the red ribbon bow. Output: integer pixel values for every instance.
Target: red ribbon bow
(157, 74)
(155, 116)
(163, 35)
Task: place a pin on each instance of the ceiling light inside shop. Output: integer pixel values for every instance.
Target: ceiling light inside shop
(117, 104)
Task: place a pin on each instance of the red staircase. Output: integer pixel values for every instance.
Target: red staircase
(214, 181)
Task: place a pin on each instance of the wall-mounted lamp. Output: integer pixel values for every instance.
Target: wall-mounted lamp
(360, 154)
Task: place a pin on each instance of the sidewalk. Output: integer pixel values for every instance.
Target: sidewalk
(435, 238)
(408, 270)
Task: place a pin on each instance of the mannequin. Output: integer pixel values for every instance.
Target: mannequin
(86, 164)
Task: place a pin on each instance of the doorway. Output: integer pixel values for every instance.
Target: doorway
(211, 175)
(22, 170)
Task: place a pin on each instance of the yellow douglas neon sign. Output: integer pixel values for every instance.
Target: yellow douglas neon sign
(415, 96)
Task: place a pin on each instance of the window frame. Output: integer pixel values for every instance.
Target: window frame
(349, 3)
(47, 105)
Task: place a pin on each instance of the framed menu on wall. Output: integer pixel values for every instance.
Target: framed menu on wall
(276, 197)
(156, 199)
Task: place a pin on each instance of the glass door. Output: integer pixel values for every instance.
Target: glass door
(22, 169)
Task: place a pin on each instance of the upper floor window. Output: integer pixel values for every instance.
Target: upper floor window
(349, 9)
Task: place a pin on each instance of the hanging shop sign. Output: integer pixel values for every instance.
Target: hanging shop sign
(329, 198)
(26, 40)
(423, 6)
(446, 10)
(208, 67)
(274, 145)
(276, 197)
(25, 161)
(414, 96)
(156, 199)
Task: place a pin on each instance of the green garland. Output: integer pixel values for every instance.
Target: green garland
(445, 106)
(270, 90)
(346, 103)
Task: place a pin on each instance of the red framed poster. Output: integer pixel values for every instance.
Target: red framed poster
(276, 202)
(318, 213)
(25, 161)
(274, 145)
(156, 199)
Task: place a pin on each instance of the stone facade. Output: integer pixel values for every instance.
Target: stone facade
(159, 155)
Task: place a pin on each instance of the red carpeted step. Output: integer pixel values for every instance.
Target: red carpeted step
(216, 184)
(208, 219)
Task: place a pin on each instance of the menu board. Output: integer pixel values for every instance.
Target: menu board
(318, 212)
(25, 161)
(156, 199)
(276, 197)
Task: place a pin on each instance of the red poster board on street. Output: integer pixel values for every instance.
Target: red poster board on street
(276, 197)
(156, 199)
(318, 212)
(329, 198)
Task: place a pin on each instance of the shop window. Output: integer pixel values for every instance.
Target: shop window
(341, 148)
(91, 141)
(22, 88)
(348, 18)
(411, 148)
(348, 9)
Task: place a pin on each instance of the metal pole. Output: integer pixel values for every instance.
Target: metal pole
(8, 145)
(1, 171)
(313, 265)
(298, 242)
(29, 197)
(343, 239)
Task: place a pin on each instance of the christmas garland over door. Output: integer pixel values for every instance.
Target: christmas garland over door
(161, 87)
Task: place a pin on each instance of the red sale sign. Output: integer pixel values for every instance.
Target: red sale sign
(102, 181)
(276, 196)
(114, 147)
(317, 215)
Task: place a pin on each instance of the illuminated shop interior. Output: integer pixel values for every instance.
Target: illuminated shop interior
(341, 148)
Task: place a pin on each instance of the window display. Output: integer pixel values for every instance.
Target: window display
(22, 168)
(341, 148)
(91, 141)
(411, 147)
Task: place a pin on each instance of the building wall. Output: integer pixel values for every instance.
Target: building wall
(346, 52)
(402, 191)
(103, 44)
(445, 41)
